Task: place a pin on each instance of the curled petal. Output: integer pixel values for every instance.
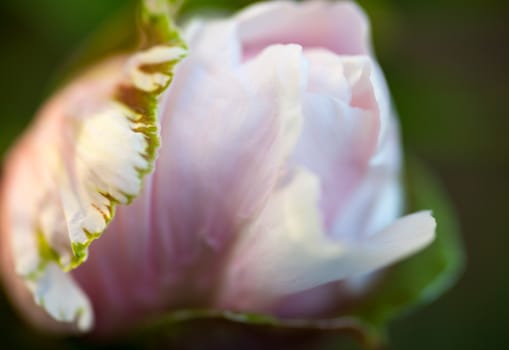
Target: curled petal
(88, 151)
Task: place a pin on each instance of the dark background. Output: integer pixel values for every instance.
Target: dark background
(447, 63)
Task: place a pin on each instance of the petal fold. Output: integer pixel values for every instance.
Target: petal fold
(285, 250)
(88, 151)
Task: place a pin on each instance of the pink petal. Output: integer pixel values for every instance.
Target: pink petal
(341, 127)
(341, 27)
(216, 168)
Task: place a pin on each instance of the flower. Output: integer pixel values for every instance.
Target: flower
(278, 176)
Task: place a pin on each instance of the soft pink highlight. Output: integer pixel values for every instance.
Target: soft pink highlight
(278, 93)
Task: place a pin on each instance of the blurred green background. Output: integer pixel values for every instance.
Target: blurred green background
(447, 63)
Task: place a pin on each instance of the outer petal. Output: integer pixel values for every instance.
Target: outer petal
(230, 156)
(341, 27)
(285, 251)
(88, 151)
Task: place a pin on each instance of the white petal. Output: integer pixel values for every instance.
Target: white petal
(286, 251)
(150, 81)
(402, 238)
(57, 292)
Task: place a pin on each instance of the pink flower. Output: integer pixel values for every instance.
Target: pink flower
(277, 179)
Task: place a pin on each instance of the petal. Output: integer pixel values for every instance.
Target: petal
(402, 238)
(216, 168)
(341, 27)
(214, 36)
(341, 127)
(285, 250)
(58, 294)
(351, 140)
(88, 151)
(378, 194)
(219, 166)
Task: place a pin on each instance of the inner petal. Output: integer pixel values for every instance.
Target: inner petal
(341, 123)
(340, 27)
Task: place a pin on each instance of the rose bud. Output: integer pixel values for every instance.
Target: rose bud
(277, 178)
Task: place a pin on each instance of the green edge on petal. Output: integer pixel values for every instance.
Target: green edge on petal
(156, 29)
(86, 176)
(157, 24)
(47, 254)
(140, 106)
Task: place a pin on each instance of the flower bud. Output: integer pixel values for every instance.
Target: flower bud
(277, 178)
